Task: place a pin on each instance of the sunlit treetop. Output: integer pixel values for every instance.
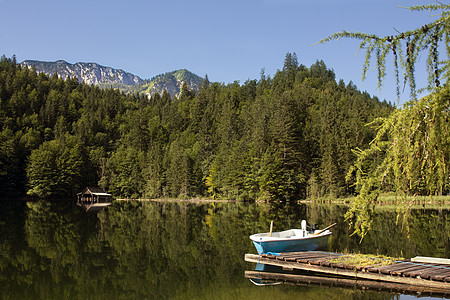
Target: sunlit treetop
(405, 47)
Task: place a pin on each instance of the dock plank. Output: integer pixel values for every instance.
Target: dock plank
(420, 271)
(440, 277)
(410, 272)
(386, 269)
(325, 263)
(338, 265)
(373, 269)
(397, 268)
(437, 270)
(313, 260)
(407, 270)
(294, 256)
(305, 254)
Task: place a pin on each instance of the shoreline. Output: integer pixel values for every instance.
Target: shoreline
(439, 202)
(192, 200)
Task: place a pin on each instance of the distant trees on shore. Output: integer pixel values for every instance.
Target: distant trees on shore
(282, 138)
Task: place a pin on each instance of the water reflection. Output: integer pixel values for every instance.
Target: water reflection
(179, 250)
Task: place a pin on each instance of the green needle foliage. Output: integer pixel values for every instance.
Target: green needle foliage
(410, 153)
(406, 47)
(412, 148)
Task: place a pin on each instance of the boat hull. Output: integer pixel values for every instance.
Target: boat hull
(292, 244)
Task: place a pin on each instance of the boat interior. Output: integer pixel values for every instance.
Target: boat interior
(289, 233)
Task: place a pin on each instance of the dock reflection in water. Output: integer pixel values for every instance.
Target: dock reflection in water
(266, 273)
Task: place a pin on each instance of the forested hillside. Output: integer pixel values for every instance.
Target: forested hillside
(281, 138)
(107, 77)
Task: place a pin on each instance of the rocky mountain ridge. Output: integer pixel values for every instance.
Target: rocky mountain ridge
(90, 73)
(107, 77)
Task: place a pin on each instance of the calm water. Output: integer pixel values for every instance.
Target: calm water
(135, 250)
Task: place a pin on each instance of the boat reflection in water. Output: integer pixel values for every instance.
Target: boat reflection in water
(256, 279)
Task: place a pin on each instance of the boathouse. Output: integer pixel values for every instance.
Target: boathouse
(92, 195)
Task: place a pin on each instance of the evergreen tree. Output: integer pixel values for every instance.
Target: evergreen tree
(272, 139)
(55, 168)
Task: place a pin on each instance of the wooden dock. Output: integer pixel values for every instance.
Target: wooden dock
(414, 275)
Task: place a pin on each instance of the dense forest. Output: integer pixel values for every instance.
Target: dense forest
(283, 138)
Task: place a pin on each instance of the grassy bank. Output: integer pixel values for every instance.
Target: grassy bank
(393, 200)
(385, 200)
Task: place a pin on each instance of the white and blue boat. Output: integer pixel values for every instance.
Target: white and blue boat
(291, 240)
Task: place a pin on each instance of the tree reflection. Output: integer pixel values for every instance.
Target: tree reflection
(176, 250)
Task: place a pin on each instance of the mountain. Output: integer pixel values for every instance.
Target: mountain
(107, 77)
(90, 73)
(172, 82)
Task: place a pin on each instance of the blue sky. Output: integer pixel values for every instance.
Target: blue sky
(227, 40)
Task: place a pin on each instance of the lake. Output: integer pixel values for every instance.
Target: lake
(184, 250)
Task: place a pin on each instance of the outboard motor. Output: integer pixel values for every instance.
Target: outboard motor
(304, 227)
